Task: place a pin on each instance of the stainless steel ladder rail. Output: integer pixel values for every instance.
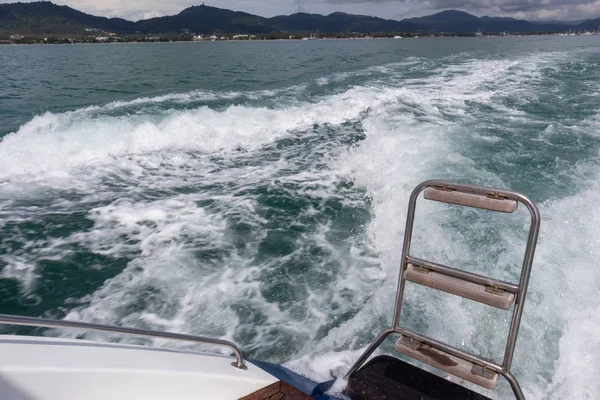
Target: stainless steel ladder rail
(64, 324)
(454, 281)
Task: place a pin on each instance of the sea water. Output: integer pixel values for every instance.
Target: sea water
(257, 192)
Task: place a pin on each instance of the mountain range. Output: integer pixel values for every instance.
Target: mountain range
(48, 18)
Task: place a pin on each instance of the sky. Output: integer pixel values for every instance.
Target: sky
(392, 9)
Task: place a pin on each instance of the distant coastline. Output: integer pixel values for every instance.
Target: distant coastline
(36, 40)
(46, 22)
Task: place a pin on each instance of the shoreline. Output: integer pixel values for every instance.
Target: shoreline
(555, 35)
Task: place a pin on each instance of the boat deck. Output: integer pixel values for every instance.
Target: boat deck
(278, 391)
(389, 378)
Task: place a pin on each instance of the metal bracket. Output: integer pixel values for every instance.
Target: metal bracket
(410, 342)
(494, 290)
(420, 269)
(496, 195)
(482, 371)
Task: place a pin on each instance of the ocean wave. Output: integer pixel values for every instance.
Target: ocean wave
(280, 225)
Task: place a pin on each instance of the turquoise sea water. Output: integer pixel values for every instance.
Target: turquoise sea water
(257, 192)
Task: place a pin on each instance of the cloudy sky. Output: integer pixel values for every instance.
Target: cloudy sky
(394, 9)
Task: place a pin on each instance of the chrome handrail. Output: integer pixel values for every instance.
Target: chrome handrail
(54, 323)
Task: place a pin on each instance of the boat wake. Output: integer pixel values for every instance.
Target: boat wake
(275, 218)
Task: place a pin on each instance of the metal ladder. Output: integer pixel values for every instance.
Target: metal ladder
(471, 367)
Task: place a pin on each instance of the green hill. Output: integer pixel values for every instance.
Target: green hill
(48, 18)
(459, 21)
(205, 19)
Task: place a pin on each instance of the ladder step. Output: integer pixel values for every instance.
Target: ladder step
(473, 291)
(471, 200)
(456, 366)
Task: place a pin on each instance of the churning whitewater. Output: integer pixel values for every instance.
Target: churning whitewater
(273, 216)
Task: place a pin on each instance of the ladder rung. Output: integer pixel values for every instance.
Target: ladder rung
(464, 275)
(484, 294)
(447, 362)
(471, 200)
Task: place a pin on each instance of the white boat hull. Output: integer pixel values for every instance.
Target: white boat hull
(38, 368)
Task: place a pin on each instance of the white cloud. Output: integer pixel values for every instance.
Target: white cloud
(136, 9)
(526, 9)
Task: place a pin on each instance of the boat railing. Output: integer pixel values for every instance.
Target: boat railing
(496, 293)
(86, 326)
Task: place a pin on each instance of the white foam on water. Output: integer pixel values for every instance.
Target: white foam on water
(164, 276)
(337, 77)
(167, 287)
(400, 151)
(58, 142)
(571, 245)
(200, 96)
(411, 126)
(23, 272)
(195, 96)
(405, 143)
